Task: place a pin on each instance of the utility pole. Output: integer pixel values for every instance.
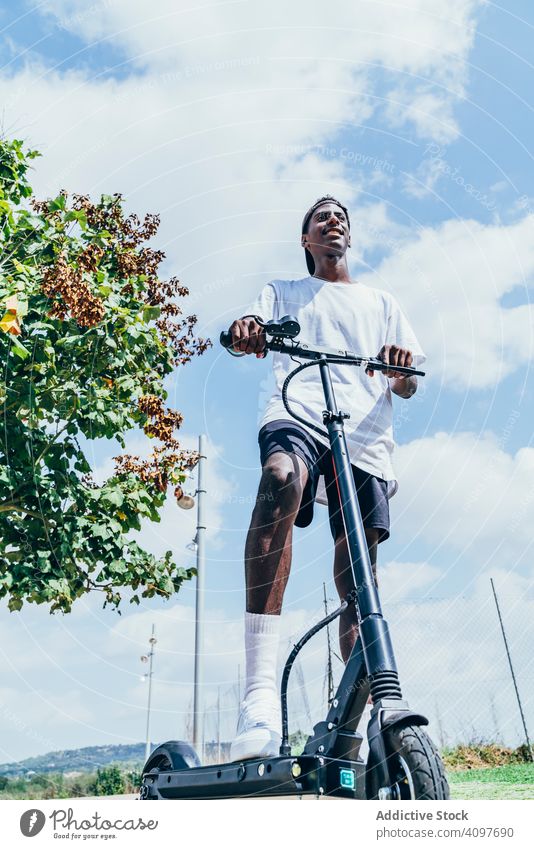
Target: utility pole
(529, 747)
(148, 658)
(329, 671)
(442, 739)
(198, 711)
(219, 724)
(302, 683)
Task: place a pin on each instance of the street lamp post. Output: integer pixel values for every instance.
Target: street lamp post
(198, 712)
(148, 658)
(186, 501)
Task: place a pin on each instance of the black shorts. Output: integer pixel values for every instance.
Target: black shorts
(290, 438)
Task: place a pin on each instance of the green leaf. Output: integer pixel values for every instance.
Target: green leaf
(114, 496)
(41, 325)
(151, 313)
(58, 203)
(78, 215)
(19, 350)
(102, 531)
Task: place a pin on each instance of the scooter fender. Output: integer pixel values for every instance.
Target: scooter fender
(401, 719)
(384, 718)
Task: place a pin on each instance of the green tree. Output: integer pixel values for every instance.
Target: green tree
(134, 778)
(109, 781)
(88, 332)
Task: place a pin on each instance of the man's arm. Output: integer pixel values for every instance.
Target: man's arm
(404, 387)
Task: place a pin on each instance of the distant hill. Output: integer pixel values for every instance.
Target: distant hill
(78, 760)
(91, 757)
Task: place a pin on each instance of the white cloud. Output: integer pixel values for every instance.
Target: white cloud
(212, 114)
(398, 580)
(430, 112)
(464, 494)
(450, 281)
(41, 719)
(220, 48)
(418, 36)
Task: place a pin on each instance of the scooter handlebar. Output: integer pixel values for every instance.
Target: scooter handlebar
(226, 339)
(288, 328)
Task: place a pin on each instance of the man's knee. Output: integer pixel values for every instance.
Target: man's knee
(282, 484)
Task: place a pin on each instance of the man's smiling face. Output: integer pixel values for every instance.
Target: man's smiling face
(328, 231)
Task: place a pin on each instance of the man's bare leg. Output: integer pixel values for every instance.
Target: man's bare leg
(348, 622)
(267, 566)
(269, 540)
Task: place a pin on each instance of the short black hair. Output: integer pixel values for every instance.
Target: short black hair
(306, 220)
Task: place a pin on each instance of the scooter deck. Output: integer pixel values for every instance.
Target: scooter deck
(307, 775)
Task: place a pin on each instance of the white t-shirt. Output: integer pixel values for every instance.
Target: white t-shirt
(346, 316)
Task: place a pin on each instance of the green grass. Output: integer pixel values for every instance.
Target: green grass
(484, 790)
(509, 774)
(513, 781)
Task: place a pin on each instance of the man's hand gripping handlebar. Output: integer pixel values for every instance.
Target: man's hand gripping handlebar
(246, 336)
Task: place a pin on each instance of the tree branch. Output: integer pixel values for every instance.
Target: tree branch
(5, 508)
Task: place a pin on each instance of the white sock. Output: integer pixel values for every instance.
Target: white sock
(262, 634)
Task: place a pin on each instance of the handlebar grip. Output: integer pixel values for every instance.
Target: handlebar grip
(226, 339)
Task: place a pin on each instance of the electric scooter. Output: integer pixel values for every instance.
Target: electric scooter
(402, 763)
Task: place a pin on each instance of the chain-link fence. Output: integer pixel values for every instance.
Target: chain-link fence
(452, 662)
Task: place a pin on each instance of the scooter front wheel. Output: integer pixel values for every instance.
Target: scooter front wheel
(415, 767)
(174, 755)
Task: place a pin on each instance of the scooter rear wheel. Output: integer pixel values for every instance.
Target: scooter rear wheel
(415, 767)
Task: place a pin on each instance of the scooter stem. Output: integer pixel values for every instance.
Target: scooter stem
(374, 633)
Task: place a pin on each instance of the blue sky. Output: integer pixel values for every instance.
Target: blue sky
(419, 117)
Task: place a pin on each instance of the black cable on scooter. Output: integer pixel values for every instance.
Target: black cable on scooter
(285, 748)
(287, 405)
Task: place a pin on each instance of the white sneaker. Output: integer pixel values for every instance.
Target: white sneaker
(258, 729)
